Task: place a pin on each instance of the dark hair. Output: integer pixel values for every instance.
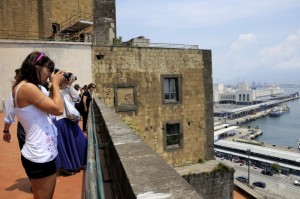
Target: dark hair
(76, 86)
(84, 87)
(91, 85)
(17, 71)
(28, 69)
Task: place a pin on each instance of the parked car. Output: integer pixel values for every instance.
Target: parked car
(259, 184)
(297, 182)
(242, 179)
(285, 172)
(231, 133)
(267, 172)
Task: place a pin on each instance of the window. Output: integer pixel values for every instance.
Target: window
(55, 28)
(171, 88)
(173, 135)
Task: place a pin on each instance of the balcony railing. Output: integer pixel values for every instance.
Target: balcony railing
(94, 179)
(89, 37)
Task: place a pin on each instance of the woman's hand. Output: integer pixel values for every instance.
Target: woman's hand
(6, 137)
(57, 78)
(72, 79)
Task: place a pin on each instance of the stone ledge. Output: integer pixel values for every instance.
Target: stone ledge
(148, 174)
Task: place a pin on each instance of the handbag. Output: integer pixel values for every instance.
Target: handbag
(71, 112)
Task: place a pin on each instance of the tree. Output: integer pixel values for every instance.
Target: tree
(275, 167)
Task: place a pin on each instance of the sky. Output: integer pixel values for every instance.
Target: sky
(250, 41)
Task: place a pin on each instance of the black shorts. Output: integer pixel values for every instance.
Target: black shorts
(38, 170)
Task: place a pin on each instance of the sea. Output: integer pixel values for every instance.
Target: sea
(283, 130)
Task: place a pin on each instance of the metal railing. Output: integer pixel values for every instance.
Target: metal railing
(35, 36)
(78, 16)
(94, 180)
(94, 39)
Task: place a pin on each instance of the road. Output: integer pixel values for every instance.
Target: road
(278, 185)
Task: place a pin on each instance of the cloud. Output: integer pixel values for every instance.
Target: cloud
(244, 41)
(248, 55)
(178, 14)
(284, 55)
(245, 36)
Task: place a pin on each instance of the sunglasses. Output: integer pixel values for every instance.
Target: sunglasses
(51, 69)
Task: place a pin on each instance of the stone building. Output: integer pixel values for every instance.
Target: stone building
(164, 93)
(45, 19)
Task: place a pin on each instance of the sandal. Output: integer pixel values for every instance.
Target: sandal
(65, 172)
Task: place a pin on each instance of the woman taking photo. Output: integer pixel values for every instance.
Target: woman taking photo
(32, 107)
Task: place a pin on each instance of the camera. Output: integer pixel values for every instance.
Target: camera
(67, 75)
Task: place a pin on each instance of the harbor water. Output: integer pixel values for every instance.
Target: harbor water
(283, 130)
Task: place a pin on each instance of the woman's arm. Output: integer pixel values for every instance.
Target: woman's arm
(74, 94)
(30, 94)
(84, 103)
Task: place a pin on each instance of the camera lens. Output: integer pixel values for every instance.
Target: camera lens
(55, 70)
(67, 75)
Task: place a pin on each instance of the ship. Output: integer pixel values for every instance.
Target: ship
(278, 111)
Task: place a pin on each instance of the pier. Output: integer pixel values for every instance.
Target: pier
(239, 115)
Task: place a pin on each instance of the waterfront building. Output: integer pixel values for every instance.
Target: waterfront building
(261, 156)
(244, 95)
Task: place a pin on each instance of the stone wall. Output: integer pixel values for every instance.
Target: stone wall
(64, 9)
(18, 18)
(130, 168)
(212, 180)
(75, 57)
(105, 21)
(141, 70)
(32, 19)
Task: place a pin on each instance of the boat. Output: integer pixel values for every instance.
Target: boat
(278, 111)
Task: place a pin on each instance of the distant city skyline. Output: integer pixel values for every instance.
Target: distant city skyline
(250, 40)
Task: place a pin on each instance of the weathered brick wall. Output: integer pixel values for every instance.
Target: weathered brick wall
(75, 57)
(213, 185)
(143, 68)
(17, 17)
(211, 179)
(64, 9)
(32, 19)
(105, 20)
(131, 166)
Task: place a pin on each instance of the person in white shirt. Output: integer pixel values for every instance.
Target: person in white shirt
(10, 115)
(77, 102)
(71, 142)
(32, 108)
